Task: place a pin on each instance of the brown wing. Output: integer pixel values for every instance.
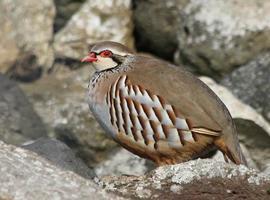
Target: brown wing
(147, 118)
(192, 99)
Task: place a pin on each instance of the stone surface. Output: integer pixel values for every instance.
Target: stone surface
(124, 162)
(155, 23)
(60, 155)
(26, 28)
(18, 120)
(25, 68)
(256, 141)
(60, 100)
(25, 175)
(64, 10)
(95, 21)
(237, 108)
(215, 36)
(210, 37)
(251, 84)
(197, 179)
(34, 177)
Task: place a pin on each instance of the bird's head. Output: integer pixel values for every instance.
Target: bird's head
(107, 55)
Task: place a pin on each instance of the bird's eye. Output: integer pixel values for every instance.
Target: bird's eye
(106, 53)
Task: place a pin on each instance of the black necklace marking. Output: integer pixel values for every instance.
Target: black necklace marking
(103, 74)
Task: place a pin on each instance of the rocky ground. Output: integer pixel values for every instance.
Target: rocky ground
(35, 176)
(199, 179)
(51, 147)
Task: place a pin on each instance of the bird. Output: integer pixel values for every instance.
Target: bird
(157, 110)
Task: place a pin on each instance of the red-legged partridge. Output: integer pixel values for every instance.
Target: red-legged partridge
(156, 110)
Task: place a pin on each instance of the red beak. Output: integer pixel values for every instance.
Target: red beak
(92, 57)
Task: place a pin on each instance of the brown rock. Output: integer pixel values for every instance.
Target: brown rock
(19, 122)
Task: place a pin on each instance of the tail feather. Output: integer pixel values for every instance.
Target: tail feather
(231, 151)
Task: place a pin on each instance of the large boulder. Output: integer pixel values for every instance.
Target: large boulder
(210, 37)
(251, 84)
(95, 21)
(26, 28)
(26, 175)
(197, 179)
(19, 122)
(60, 100)
(215, 36)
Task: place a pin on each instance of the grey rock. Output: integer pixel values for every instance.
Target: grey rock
(256, 141)
(251, 84)
(197, 179)
(237, 108)
(18, 120)
(250, 160)
(25, 68)
(123, 162)
(216, 36)
(211, 37)
(60, 155)
(25, 175)
(267, 170)
(156, 24)
(64, 11)
(60, 100)
(95, 21)
(26, 28)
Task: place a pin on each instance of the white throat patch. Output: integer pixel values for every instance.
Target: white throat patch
(104, 63)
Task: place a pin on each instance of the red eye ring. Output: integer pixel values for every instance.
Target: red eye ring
(105, 53)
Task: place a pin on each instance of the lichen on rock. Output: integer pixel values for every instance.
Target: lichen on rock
(204, 177)
(215, 36)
